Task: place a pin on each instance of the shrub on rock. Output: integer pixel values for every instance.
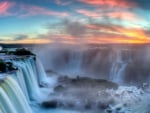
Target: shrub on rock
(19, 52)
(6, 66)
(22, 51)
(2, 66)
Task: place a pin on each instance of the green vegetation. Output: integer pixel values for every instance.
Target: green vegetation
(6, 66)
(2, 66)
(22, 51)
(4, 50)
(19, 52)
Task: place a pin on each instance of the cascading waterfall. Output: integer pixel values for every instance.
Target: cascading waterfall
(12, 97)
(97, 62)
(42, 77)
(23, 86)
(118, 67)
(22, 83)
(75, 59)
(123, 65)
(28, 77)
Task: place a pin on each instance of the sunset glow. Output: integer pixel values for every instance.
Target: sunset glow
(75, 21)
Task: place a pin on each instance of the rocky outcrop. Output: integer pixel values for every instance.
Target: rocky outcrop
(80, 93)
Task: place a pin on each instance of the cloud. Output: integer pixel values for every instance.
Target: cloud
(74, 28)
(62, 2)
(111, 3)
(124, 15)
(95, 32)
(24, 10)
(110, 31)
(67, 26)
(88, 13)
(111, 19)
(148, 33)
(5, 7)
(36, 10)
(20, 37)
(114, 14)
(143, 4)
(69, 32)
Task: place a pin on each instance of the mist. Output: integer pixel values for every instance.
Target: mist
(127, 64)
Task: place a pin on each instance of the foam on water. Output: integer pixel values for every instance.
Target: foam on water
(59, 110)
(129, 100)
(30, 82)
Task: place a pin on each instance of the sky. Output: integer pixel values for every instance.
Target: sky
(75, 21)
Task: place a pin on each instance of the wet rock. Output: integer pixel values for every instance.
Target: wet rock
(50, 104)
(118, 109)
(59, 88)
(88, 105)
(103, 106)
(70, 104)
(109, 111)
(87, 82)
(87, 91)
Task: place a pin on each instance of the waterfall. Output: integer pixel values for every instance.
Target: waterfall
(21, 87)
(121, 64)
(118, 67)
(26, 85)
(42, 77)
(43, 80)
(22, 83)
(12, 97)
(27, 77)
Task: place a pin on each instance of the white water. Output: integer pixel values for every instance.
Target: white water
(12, 97)
(42, 76)
(130, 100)
(117, 70)
(19, 89)
(97, 62)
(28, 78)
(22, 83)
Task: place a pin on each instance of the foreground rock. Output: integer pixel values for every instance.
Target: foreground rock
(80, 93)
(7, 56)
(85, 82)
(50, 104)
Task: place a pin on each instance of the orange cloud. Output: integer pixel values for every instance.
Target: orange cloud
(116, 40)
(127, 37)
(4, 7)
(112, 3)
(138, 34)
(101, 33)
(27, 41)
(124, 15)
